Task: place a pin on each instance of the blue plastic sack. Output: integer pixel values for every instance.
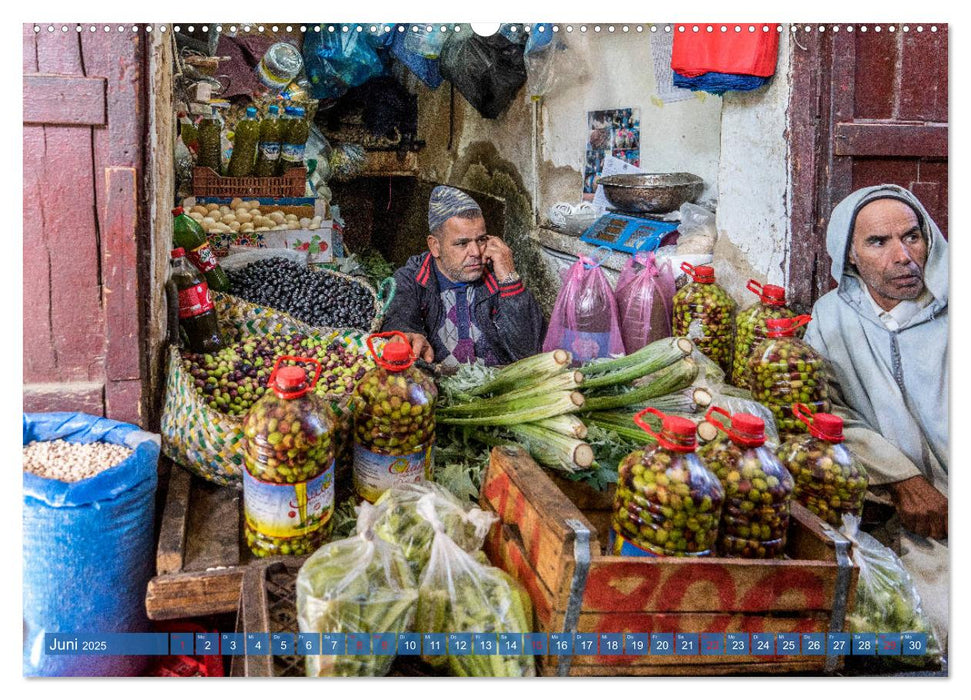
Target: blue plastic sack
(88, 546)
(337, 61)
(420, 53)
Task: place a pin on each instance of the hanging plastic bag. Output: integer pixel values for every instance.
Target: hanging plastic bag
(644, 293)
(336, 61)
(397, 521)
(458, 593)
(487, 71)
(419, 52)
(696, 232)
(584, 318)
(550, 62)
(886, 598)
(359, 585)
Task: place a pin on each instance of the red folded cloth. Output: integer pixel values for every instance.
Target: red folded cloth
(740, 53)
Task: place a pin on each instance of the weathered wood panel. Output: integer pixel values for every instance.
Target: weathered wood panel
(46, 95)
(898, 140)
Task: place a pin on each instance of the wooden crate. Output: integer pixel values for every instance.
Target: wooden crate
(554, 544)
(206, 182)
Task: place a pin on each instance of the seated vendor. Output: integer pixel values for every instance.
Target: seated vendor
(884, 330)
(463, 300)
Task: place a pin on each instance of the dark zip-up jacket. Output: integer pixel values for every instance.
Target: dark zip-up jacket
(508, 316)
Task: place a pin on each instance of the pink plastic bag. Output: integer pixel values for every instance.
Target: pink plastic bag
(644, 293)
(584, 319)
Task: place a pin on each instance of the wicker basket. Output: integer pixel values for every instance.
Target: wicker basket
(206, 182)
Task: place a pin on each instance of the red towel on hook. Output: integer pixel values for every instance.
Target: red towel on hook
(740, 53)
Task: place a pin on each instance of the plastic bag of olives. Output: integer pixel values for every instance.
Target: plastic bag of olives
(785, 371)
(703, 312)
(755, 513)
(394, 420)
(829, 481)
(667, 503)
(288, 482)
(361, 585)
(750, 329)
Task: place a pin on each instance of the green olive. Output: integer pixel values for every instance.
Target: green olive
(704, 313)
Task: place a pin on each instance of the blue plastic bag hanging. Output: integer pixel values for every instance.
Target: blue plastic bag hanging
(336, 61)
(419, 52)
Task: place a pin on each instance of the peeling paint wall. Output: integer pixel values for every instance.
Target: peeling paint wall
(753, 185)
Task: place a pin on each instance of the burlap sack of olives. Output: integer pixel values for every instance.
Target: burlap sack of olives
(750, 329)
(703, 312)
(758, 489)
(829, 480)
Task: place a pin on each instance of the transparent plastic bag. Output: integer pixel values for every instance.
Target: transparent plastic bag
(361, 585)
(584, 319)
(750, 328)
(703, 312)
(785, 371)
(337, 61)
(397, 521)
(886, 597)
(550, 63)
(458, 593)
(644, 301)
(758, 489)
(696, 232)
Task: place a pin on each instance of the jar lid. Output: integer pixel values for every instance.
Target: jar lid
(291, 377)
(680, 434)
(704, 274)
(773, 295)
(250, 112)
(178, 253)
(826, 426)
(747, 430)
(785, 327)
(396, 352)
(178, 211)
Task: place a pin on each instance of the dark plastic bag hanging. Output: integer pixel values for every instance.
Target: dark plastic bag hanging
(487, 71)
(336, 61)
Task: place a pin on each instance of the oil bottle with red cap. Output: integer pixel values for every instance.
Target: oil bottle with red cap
(785, 371)
(829, 480)
(394, 420)
(758, 488)
(288, 482)
(667, 503)
(750, 329)
(704, 313)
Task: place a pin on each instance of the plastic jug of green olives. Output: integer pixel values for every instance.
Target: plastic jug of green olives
(829, 481)
(394, 420)
(667, 501)
(758, 488)
(288, 482)
(785, 371)
(750, 327)
(703, 312)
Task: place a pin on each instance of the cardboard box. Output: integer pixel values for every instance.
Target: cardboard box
(318, 243)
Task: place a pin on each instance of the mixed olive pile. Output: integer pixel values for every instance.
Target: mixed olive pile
(703, 312)
(234, 378)
(313, 297)
(667, 503)
(828, 480)
(395, 411)
(750, 331)
(786, 371)
(755, 513)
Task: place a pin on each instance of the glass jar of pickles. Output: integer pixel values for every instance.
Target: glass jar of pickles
(702, 312)
(667, 502)
(288, 482)
(829, 481)
(750, 329)
(394, 420)
(758, 489)
(785, 371)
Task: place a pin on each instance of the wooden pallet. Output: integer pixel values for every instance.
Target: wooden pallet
(554, 544)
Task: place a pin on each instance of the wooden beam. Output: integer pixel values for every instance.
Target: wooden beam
(925, 141)
(171, 539)
(66, 100)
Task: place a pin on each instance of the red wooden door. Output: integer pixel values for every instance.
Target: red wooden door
(83, 136)
(868, 108)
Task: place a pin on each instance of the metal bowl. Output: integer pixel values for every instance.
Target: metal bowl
(652, 193)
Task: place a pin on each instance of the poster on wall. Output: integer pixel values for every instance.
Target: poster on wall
(612, 132)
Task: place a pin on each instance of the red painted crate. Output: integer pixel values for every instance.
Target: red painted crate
(206, 182)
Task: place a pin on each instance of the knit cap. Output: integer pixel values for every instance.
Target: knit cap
(447, 202)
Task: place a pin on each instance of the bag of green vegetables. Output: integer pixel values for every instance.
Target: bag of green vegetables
(460, 594)
(886, 598)
(397, 521)
(360, 585)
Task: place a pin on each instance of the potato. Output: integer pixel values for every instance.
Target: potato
(277, 217)
(291, 217)
(315, 222)
(293, 226)
(196, 215)
(208, 221)
(199, 209)
(234, 226)
(225, 210)
(236, 203)
(246, 228)
(212, 207)
(228, 218)
(263, 228)
(243, 217)
(305, 222)
(279, 227)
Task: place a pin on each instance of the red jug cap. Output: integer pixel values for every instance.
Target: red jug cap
(178, 211)
(291, 377)
(773, 295)
(178, 253)
(396, 352)
(748, 430)
(785, 327)
(827, 427)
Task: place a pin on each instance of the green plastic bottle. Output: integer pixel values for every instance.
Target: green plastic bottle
(295, 135)
(189, 132)
(210, 144)
(190, 235)
(244, 145)
(271, 131)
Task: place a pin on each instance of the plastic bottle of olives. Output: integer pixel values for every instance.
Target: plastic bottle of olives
(785, 371)
(288, 483)
(394, 420)
(750, 327)
(667, 502)
(702, 312)
(758, 489)
(829, 480)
